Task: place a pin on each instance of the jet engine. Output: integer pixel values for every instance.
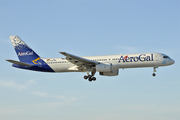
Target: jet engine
(112, 73)
(104, 67)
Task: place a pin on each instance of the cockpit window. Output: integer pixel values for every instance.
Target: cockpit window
(165, 57)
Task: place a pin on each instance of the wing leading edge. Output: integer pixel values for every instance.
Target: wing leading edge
(76, 59)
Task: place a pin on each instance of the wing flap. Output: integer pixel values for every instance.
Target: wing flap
(20, 63)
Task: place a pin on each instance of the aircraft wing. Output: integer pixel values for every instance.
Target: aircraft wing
(78, 60)
(20, 63)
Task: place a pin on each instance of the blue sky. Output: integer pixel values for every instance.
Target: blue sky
(85, 28)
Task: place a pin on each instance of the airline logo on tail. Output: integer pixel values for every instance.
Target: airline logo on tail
(17, 42)
(25, 53)
(36, 60)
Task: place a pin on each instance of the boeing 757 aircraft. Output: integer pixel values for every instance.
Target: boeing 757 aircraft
(108, 65)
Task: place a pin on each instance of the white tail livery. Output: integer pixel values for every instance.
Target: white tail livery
(108, 65)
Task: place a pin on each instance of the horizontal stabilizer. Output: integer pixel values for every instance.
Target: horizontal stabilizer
(20, 63)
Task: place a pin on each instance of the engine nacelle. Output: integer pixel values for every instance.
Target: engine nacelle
(104, 67)
(113, 73)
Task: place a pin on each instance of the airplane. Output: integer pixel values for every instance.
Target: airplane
(106, 65)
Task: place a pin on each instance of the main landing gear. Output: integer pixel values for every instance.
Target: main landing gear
(154, 74)
(90, 77)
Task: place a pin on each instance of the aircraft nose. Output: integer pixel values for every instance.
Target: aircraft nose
(172, 61)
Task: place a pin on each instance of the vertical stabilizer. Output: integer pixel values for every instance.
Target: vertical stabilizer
(24, 52)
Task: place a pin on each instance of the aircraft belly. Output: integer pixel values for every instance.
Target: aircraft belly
(137, 64)
(60, 68)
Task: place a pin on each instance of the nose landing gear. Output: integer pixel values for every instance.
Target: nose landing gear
(154, 74)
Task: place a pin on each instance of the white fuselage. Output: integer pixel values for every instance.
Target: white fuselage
(117, 61)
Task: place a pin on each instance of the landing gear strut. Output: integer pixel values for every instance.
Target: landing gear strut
(90, 77)
(154, 74)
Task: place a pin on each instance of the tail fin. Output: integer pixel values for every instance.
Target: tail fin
(24, 52)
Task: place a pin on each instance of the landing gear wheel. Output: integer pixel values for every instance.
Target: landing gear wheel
(154, 74)
(94, 78)
(89, 76)
(90, 79)
(85, 77)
